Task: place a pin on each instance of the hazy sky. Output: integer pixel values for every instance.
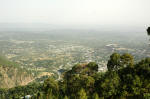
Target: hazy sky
(76, 12)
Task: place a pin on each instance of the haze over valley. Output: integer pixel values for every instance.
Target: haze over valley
(74, 49)
(47, 52)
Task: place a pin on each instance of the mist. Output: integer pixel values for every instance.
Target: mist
(74, 14)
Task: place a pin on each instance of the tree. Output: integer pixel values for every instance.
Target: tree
(113, 62)
(82, 94)
(93, 66)
(39, 95)
(127, 60)
(76, 82)
(148, 31)
(65, 97)
(51, 84)
(143, 71)
(109, 85)
(95, 96)
(118, 61)
(143, 68)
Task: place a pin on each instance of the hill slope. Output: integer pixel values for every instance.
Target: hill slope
(12, 75)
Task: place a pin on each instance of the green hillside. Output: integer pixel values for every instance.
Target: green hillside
(124, 79)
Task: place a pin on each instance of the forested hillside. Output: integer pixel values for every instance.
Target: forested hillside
(11, 74)
(123, 80)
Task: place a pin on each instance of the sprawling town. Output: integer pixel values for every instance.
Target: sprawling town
(48, 55)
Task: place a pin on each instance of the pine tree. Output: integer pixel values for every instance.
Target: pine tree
(95, 96)
(82, 94)
(65, 97)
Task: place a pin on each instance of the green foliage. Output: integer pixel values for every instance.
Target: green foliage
(21, 91)
(127, 60)
(95, 96)
(110, 84)
(76, 82)
(123, 80)
(82, 94)
(66, 97)
(114, 62)
(93, 66)
(84, 69)
(50, 85)
(118, 61)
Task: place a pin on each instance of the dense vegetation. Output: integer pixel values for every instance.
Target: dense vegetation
(123, 80)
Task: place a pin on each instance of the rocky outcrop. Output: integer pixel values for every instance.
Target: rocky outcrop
(11, 77)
